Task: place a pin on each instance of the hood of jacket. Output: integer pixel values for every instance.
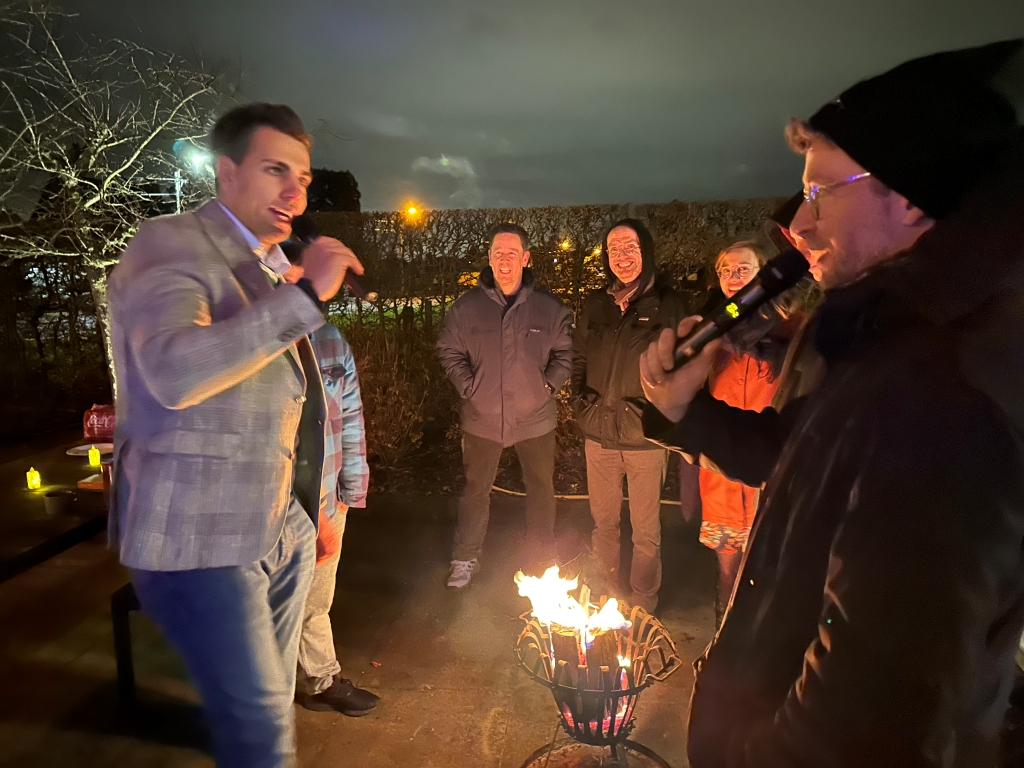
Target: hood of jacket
(486, 282)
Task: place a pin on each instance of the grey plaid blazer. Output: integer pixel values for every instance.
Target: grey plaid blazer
(210, 364)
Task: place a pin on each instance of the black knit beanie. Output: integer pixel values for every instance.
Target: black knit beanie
(931, 127)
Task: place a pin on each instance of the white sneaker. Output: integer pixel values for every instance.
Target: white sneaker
(461, 573)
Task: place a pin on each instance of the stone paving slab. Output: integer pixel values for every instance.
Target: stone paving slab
(453, 694)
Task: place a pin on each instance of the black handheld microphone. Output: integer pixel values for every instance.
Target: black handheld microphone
(778, 275)
(305, 232)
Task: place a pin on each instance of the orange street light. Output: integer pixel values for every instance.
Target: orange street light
(412, 210)
(565, 245)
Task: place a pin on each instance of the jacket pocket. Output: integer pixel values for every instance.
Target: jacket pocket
(184, 442)
(587, 412)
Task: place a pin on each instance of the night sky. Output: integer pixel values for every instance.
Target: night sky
(476, 103)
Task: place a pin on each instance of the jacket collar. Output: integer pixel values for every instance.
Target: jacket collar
(244, 264)
(974, 254)
(487, 284)
(225, 235)
(649, 302)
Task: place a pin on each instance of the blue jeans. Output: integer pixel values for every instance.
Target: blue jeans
(237, 630)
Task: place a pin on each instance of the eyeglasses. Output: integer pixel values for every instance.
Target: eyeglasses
(629, 250)
(743, 271)
(814, 192)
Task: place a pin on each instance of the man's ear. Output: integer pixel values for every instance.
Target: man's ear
(526, 258)
(912, 215)
(226, 172)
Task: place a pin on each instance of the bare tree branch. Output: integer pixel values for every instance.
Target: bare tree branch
(88, 130)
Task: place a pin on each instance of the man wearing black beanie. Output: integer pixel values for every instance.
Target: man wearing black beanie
(881, 596)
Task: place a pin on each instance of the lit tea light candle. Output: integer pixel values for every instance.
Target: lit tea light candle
(94, 457)
(34, 481)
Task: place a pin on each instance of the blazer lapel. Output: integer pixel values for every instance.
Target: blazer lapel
(253, 279)
(244, 264)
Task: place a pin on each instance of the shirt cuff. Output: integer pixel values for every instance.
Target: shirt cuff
(357, 501)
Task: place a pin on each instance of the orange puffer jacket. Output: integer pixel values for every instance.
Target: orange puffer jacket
(744, 382)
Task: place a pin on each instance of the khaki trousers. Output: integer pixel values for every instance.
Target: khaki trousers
(318, 661)
(645, 474)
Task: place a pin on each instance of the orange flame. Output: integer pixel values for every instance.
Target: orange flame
(553, 605)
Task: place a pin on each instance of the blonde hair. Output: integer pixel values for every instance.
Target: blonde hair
(743, 245)
(801, 137)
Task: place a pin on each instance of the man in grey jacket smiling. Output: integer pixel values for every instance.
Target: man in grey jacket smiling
(507, 348)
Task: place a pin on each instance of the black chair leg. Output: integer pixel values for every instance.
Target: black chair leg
(122, 603)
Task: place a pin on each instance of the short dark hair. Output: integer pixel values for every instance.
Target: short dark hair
(508, 228)
(233, 131)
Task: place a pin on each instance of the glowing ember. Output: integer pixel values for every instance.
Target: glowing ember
(554, 606)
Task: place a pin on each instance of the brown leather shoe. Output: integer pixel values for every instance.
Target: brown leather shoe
(342, 697)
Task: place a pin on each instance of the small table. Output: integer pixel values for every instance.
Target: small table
(28, 534)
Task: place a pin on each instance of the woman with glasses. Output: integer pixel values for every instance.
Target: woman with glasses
(616, 324)
(745, 380)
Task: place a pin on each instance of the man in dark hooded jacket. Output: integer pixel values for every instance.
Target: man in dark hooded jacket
(881, 596)
(506, 346)
(616, 325)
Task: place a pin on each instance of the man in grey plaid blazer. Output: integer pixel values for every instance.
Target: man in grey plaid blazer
(220, 437)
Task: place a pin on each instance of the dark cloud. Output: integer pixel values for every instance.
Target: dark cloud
(553, 101)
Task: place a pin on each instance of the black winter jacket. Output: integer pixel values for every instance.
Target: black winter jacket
(606, 395)
(506, 365)
(881, 597)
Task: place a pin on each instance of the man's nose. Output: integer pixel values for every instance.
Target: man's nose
(803, 222)
(292, 191)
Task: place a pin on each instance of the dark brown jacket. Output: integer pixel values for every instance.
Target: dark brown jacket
(607, 398)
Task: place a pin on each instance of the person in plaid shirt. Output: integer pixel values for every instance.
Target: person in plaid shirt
(319, 685)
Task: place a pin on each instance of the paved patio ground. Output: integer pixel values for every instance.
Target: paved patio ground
(453, 694)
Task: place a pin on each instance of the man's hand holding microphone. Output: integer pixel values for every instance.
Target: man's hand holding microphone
(675, 366)
(325, 261)
(666, 387)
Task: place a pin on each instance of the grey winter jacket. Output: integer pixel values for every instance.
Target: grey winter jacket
(507, 365)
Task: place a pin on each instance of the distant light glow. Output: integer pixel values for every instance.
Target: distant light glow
(199, 159)
(565, 245)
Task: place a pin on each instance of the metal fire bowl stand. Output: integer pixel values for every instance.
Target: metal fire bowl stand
(603, 716)
(565, 753)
